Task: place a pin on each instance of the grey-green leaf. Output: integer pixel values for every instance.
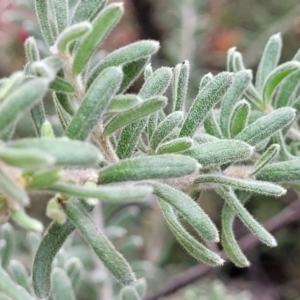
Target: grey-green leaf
(239, 117)
(121, 103)
(205, 101)
(176, 145)
(269, 60)
(266, 126)
(220, 152)
(103, 23)
(62, 286)
(187, 208)
(148, 167)
(95, 103)
(139, 111)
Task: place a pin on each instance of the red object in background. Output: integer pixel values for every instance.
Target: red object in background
(223, 40)
(23, 35)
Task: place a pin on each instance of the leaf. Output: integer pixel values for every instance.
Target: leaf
(11, 190)
(204, 102)
(205, 80)
(105, 193)
(191, 245)
(42, 179)
(256, 228)
(286, 89)
(95, 103)
(27, 159)
(139, 111)
(21, 100)
(269, 60)
(133, 52)
(64, 102)
(103, 248)
(61, 86)
(60, 10)
(176, 145)
(70, 35)
(129, 293)
(229, 242)
(241, 81)
(19, 274)
(148, 167)
(31, 50)
(74, 269)
(21, 218)
(131, 72)
(66, 152)
(180, 82)
(275, 77)
(165, 127)
(52, 241)
(11, 84)
(220, 152)
(239, 117)
(11, 288)
(38, 117)
(155, 86)
(47, 130)
(266, 157)
(141, 287)
(229, 60)
(7, 235)
(121, 103)
(284, 171)
(42, 11)
(254, 186)
(87, 10)
(187, 208)
(62, 286)
(103, 23)
(148, 72)
(266, 126)
(64, 117)
(211, 125)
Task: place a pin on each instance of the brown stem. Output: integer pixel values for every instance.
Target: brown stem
(289, 215)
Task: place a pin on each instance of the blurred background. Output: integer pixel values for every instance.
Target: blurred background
(200, 31)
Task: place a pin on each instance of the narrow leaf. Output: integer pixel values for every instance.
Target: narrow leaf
(229, 60)
(63, 100)
(22, 219)
(148, 167)
(229, 241)
(31, 50)
(121, 103)
(61, 86)
(148, 72)
(11, 288)
(177, 145)
(204, 102)
(66, 152)
(141, 110)
(125, 55)
(129, 293)
(211, 125)
(254, 186)
(239, 118)
(103, 248)
(187, 208)
(7, 235)
(275, 77)
(164, 128)
(180, 81)
(62, 286)
(266, 157)
(106, 193)
(191, 245)
(47, 130)
(71, 34)
(256, 228)
(11, 84)
(75, 270)
(269, 60)
(60, 10)
(11, 190)
(95, 103)
(103, 23)
(42, 11)
(241, 81)
(27, 159)
(220, 152)
(19, 274)
(20, 101)
(87, 10)
(42, 179)
(285, 171)
(50, 244)
(205, 80)
(266, 126)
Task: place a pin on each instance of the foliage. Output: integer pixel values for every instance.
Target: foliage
(119, 148)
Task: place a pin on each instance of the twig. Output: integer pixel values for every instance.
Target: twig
(289, 215)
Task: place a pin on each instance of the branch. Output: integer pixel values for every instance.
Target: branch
(289, 215)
